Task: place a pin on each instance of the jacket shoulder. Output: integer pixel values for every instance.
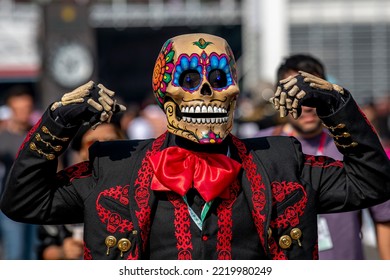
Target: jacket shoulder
(276, 151)
(270, 144)
(118, 149)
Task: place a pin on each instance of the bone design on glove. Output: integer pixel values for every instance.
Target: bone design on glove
(292, 90)
(102, 103)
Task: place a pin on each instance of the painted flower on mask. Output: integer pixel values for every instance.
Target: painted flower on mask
(210, 138)
(162, 73)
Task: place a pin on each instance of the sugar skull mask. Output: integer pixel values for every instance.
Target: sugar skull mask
(195, 83)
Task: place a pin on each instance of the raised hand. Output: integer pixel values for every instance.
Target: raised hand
(87, 103)
(305, 89)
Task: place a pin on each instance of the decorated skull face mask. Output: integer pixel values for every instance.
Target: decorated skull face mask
(195, 82)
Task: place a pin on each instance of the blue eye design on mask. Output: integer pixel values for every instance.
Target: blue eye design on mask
(218, 72)
(188, 72)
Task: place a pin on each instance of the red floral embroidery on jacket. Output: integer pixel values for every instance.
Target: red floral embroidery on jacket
(142, 185)
(257, 187)
(76, 171)
(87, 253)
(133, 255)
(290, 216)
(182, 225)
(282, 189)
(315, 251)
(225, 223)
(322, 162)
(114, 221)
(124, 195)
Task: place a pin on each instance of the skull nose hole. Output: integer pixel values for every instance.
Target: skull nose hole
(206, 90)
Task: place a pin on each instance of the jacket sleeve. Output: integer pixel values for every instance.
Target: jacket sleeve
(362, 179)
(35, 192)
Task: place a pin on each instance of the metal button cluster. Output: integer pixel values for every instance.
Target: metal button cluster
(285, 241)
(341, 137)
(49, 145)
(123, 244)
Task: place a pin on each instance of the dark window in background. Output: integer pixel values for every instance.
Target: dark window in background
(126, 57)
(356, 55)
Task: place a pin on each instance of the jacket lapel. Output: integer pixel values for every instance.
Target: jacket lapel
(142, 199)
(256, 189)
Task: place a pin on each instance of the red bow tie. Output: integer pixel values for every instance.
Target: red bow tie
(176, 169)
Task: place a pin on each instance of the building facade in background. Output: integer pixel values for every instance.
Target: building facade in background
(352, 37)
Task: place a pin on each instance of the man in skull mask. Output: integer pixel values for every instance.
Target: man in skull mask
(197, 191)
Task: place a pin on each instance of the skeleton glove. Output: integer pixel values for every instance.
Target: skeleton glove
(307, 90)
(87, 103)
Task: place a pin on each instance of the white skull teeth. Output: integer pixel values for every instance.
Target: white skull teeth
(204, 114)
(203, 109)
(205, 120)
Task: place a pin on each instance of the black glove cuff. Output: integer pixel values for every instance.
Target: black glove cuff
(325, 101)
(72, 115)
(335, 106)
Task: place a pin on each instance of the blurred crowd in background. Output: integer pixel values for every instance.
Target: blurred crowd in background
(255, 112)
(141, 120)
(125, 61)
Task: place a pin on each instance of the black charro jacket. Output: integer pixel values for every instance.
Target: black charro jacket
(284, 188)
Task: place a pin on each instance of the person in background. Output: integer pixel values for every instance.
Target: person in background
(18, 239)
(86, 136)
(197, 191)
(57, 242)
(65, 242)
(381, 212)
(340, 233)
(5, 114)
(150, 122)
